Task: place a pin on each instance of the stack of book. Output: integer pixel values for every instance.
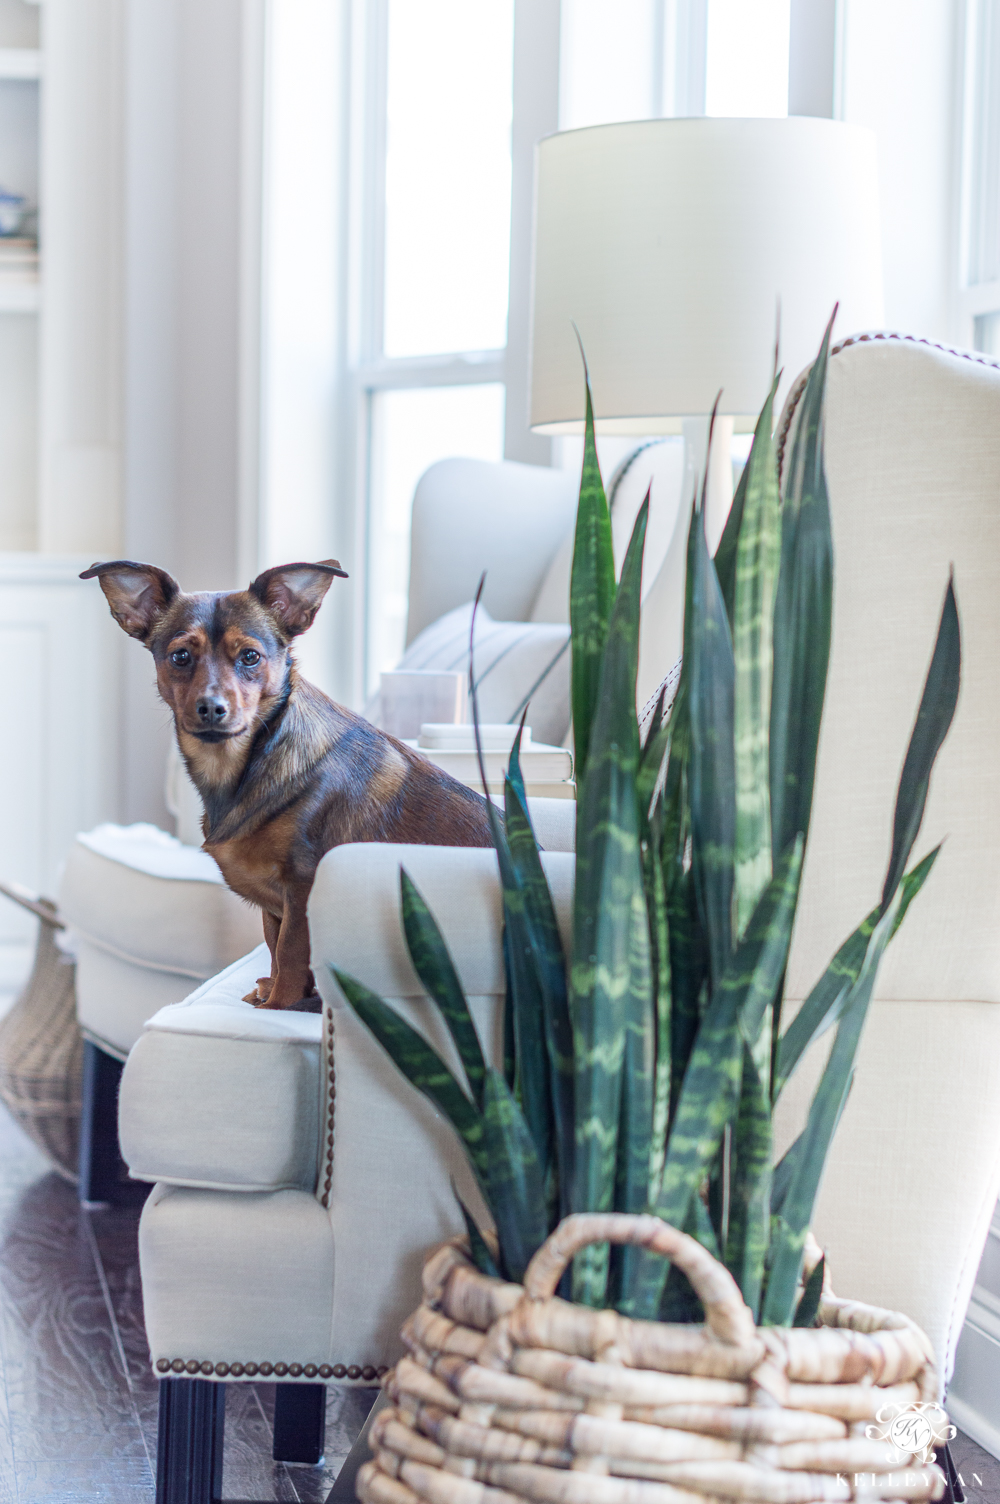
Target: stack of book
(547, 771)
(18, 258)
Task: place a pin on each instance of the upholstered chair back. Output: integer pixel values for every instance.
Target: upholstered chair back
(913, 466)
(470, 515)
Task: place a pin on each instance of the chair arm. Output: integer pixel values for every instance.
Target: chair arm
(219, 1095)
(355, 922)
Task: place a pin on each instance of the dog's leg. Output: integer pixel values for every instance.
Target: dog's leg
(294, 983)
(262, 991)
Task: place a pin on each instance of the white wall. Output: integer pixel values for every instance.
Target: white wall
(80, 437)
(188, 128)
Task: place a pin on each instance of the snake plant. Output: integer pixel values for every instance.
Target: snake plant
(642, 1069)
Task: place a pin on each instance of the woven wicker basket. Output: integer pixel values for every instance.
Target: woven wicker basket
(41, 1047)
(510, 1394)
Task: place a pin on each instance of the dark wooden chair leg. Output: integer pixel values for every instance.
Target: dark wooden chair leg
(189, 1441)
(342, 1491)
(299, 1422)
(103, 1173)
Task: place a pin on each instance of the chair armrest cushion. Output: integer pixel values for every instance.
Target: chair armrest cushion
(223, 1096)
(143, 896)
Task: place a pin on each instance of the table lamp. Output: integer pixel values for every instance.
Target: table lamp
(671, 245)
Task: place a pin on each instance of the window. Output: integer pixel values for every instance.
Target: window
(447, 100)
(431, 366)
(979, 252)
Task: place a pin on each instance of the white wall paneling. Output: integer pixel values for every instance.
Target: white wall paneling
(18, 430)
(81, 317)
(20, 67)
(974, 1393)
(59, 755)
(193, 80)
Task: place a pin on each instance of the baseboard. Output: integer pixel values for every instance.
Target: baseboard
(973, 1400)
(972, 1424)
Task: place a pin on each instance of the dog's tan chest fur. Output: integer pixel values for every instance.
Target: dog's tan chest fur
(255, 865)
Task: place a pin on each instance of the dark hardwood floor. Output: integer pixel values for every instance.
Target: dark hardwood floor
(77, 1399)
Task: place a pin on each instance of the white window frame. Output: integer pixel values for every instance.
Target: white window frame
(369, 370)
(979, 94)
(324, 410)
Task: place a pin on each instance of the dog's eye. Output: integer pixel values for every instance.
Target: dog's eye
(181, 658)
(249, 658)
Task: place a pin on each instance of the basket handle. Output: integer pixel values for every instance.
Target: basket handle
(726, 1313)
(43, 907)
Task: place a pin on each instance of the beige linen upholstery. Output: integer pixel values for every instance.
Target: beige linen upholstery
(913, 464)
(149, 917)
(388, 1158)
(470, 515)
(219, 1095)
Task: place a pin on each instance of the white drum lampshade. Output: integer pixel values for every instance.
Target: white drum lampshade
(671, 243)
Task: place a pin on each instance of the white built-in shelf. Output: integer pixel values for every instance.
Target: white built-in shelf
(20, 62)
(19, 294)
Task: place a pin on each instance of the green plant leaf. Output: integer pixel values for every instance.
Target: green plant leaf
(749, 1207)
(637, 1092)
(710, 1093)
(524, 1029)
(420, 1064)
(934, 717)
(823, 1007)
(514, 774)
(544, 968)
(802, 619)
(592, 591)
(516, 1185)
(479, 1248)
(679, 1303)
(725, 554)
(790, 1226)
(712, 774)
(656, 903)
(609, 980)
(433, 964)
(756, 577)
(687, 946)
(785, 1169)
(812, 1294)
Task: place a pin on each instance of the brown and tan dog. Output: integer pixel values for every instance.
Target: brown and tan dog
(283, 772)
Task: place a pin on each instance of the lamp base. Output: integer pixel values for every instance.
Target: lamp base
(661, 630)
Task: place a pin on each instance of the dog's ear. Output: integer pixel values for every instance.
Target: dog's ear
(294, 592)
(138, 594)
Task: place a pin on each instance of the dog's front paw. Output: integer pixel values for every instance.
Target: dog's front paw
(292, 999)
(259, 996)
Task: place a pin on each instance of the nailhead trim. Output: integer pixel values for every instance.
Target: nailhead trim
(330, 1105)
(294, 1370)
(795, 395)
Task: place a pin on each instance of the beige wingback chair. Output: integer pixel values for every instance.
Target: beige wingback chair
(294, 1201)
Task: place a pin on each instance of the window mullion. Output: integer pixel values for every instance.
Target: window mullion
(376, 90)
(535, 114)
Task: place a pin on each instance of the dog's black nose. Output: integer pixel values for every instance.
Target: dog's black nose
(211, 710)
